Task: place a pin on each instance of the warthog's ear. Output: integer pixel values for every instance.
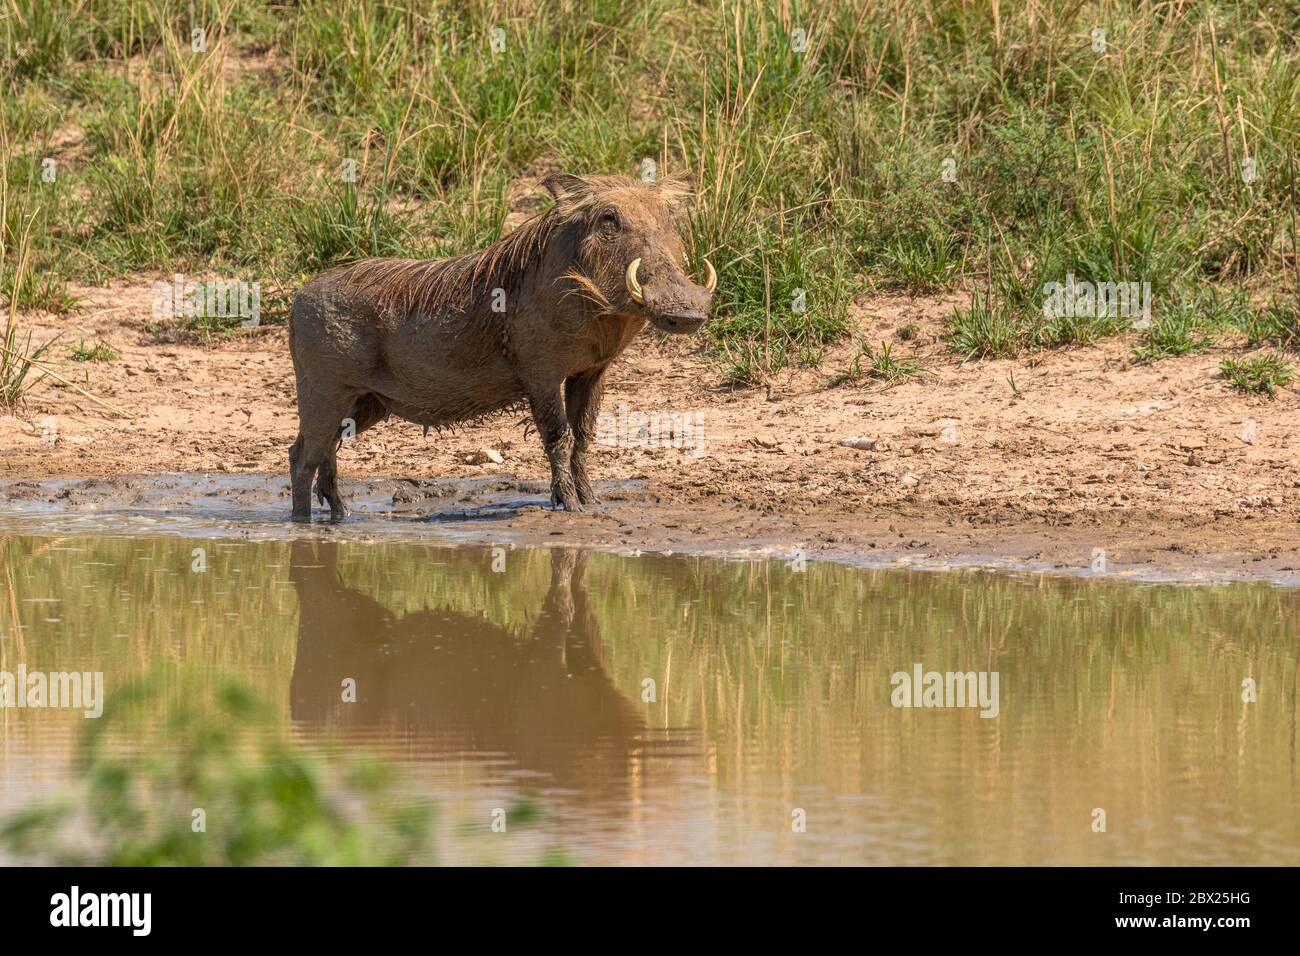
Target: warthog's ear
(567, 188)
(678, 190)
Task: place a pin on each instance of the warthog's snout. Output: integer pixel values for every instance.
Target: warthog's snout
(671, 301)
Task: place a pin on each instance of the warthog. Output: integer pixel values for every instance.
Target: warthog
(538, 316)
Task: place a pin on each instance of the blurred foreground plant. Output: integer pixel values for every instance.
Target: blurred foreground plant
(142, 778)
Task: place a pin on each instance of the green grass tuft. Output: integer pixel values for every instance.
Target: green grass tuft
(94, 352)
(1258, 374)
(880, 365)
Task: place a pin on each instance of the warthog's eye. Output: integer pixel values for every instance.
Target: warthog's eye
(609, 222)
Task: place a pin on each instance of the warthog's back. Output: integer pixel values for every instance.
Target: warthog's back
(366, 328)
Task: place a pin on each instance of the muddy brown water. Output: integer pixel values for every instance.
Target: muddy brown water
(679, 709)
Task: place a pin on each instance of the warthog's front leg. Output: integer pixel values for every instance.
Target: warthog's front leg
(548, 412)
(582, 395)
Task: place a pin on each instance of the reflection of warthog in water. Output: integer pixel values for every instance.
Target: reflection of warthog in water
(541, 698)
(537, 316)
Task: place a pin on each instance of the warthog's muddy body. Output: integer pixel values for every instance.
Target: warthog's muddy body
(536, 317)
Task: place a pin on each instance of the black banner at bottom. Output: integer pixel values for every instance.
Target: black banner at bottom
(231, 906)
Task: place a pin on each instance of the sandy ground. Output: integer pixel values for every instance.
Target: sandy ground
(1162, 467)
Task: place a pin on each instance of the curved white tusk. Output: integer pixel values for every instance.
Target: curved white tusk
(633, 286)
(712, 282)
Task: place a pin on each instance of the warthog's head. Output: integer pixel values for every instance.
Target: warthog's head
(630, 258)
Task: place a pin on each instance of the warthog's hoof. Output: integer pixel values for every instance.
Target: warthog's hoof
(569, 504)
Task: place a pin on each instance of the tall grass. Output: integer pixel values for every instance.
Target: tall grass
(821, 162)
(18, 287)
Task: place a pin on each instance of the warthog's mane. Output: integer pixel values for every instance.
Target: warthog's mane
(459, 283)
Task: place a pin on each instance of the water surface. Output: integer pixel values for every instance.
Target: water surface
(686, 710)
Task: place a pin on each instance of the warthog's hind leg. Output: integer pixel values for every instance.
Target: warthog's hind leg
(313, 455)
(368, 410)
(305, 458)
(327, 485)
